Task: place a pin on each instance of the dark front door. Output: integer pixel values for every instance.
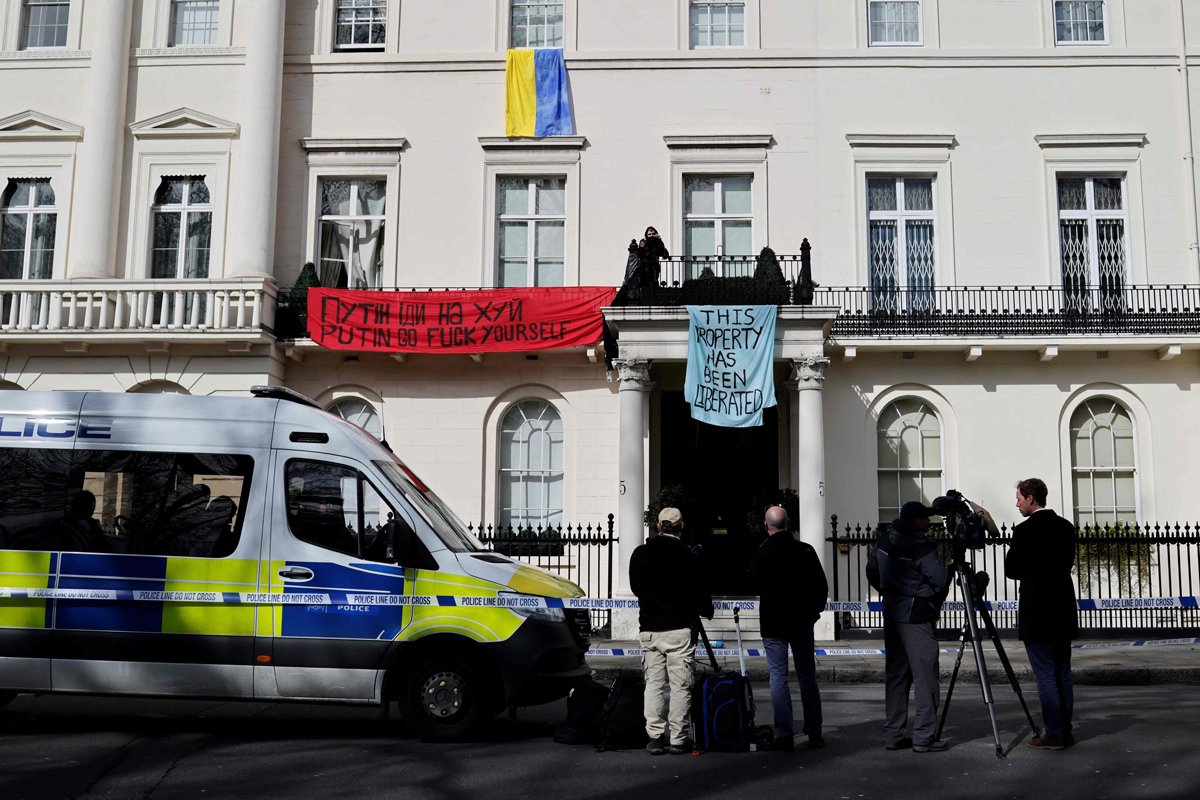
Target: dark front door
(724, 470)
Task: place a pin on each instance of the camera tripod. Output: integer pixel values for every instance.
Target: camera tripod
(966, 577)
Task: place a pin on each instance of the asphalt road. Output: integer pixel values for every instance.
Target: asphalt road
(1134, 742)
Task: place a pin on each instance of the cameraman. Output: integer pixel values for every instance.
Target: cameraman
(904, 567)
(1041, 556)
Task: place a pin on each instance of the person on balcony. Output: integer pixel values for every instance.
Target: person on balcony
(790, 581)
(1041, 557)
(668, 580)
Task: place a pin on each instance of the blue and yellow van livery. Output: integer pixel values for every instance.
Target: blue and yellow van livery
(254, 548)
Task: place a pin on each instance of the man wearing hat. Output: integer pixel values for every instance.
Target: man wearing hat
(668, 579)
(905, 569)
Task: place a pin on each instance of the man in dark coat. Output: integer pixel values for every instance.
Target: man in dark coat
(790, 581)
(1041, 557)
(905, 569)
(668, 579)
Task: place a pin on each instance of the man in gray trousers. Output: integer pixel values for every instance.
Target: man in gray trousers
(904, 567)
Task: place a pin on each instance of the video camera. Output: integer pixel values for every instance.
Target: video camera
(967, 524)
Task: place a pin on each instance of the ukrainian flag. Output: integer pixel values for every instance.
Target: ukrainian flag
(536, 101)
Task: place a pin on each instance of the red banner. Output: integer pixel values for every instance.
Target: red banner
(462, 321)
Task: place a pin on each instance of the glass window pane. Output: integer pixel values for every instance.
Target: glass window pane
(512, 196)
(736, 195)
(738, 238)
(514, 239)
(881, 194)
(551, 197)
(699, 195)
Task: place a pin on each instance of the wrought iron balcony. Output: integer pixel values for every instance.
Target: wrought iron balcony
(1013, 310)
(128, 308)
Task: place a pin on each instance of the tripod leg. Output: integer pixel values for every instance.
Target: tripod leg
(990, 626)
(962, 645)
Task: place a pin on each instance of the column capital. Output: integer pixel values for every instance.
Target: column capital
(634, 374)
(810, 371)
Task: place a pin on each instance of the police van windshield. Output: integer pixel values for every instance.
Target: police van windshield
(445, 523)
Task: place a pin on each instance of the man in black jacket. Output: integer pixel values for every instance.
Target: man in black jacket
(668, 579)
(790, 581)
(1041, 556)
(905, 569)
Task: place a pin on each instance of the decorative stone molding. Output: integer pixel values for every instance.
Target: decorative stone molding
(810, 372)
(634, 374)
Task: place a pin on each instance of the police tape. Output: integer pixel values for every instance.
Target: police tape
(510, 600)
(751, 652)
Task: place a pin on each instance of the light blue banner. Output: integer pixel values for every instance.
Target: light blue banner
(730, 377)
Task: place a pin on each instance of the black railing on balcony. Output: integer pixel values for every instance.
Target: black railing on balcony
(1012, 310)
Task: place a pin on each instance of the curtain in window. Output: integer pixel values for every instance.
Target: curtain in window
(909, 438)
(530, 485)
(1103, 463)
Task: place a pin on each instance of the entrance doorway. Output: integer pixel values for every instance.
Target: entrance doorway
(723, 470)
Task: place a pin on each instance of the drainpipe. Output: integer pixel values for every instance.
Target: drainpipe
(1189, 160)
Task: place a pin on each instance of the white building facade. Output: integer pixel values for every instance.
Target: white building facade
(168, 165)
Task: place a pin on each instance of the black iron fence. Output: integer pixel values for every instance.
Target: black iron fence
(1148, 560)
(583, 554)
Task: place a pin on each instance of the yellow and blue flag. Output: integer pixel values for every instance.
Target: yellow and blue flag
(536, 99)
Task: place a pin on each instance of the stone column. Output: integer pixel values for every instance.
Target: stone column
(634, 394)
(256, 184)
(93, 249)
(810, 453)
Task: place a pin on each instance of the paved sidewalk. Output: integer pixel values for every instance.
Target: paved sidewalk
(1092, 662)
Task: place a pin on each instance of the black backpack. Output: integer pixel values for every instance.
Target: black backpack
(623, 721)
(585, 712)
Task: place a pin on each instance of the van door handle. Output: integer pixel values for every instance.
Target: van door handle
(296, 573)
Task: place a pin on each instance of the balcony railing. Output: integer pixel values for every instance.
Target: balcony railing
(118, 306)
(1013, 310)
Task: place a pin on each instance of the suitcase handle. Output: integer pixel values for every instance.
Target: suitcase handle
(704, 638)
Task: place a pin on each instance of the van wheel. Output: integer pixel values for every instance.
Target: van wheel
(442, 699)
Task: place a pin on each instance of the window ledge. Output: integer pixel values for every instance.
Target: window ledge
(1090, 140)
(521, 143)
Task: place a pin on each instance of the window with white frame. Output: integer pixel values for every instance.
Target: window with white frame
(1092, 220)
(44, 23)
(360, 24)
(194, 22)
(530, 484)
(351, 232)
(893, 22)
(28, 222)
(715, 23)
(909, 437)
(182, 226)
(536, 23)
(531, 218)
(359, 412)
(1103, 466)
(901, 252)
(718, 218)
(1080, 22)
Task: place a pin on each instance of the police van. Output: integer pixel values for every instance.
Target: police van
(260, 548)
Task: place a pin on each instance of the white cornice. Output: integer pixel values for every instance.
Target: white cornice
(719, 140)
(184, 123)
(311, 144)
(35, 126)
(523, 143)
(1090, 140)
(900, 140)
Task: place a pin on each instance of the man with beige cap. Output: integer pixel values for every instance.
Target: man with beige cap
(668, 579)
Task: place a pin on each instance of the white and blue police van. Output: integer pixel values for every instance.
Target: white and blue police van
(258, 548)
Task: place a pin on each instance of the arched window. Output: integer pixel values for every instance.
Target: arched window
(909, 438)
(1102, 462)
(531, 466)
(360, 412)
